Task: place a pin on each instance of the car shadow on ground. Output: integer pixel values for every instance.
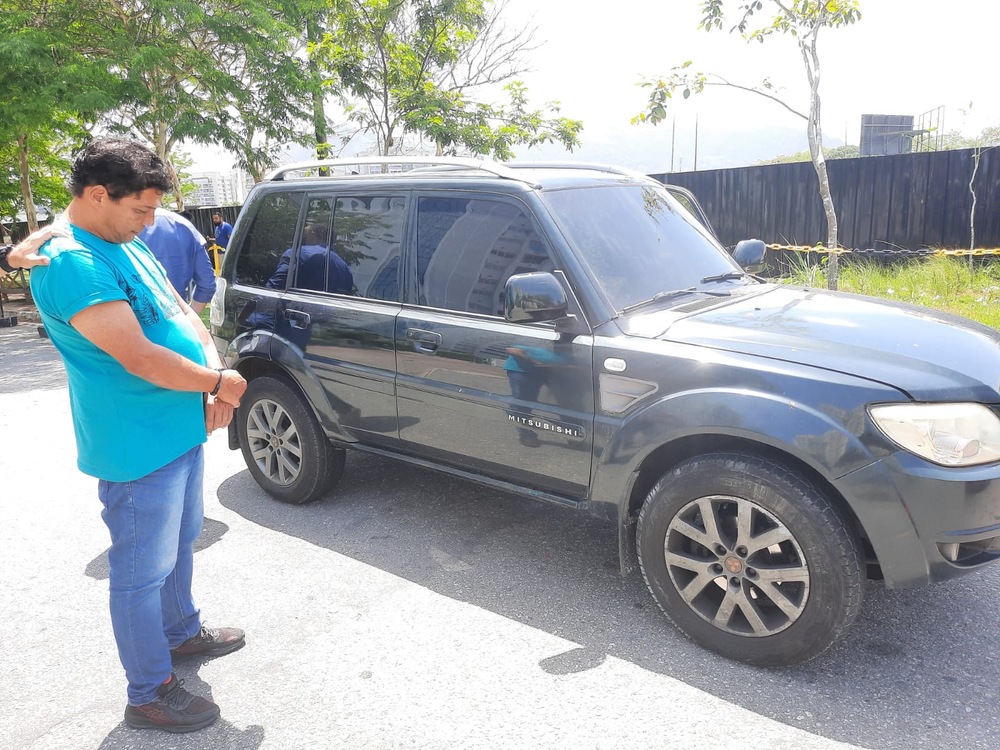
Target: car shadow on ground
(914, 672)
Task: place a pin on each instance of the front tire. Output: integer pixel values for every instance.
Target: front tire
(283, 445)
(749, 559)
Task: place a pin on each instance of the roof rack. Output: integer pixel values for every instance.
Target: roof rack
(595, 166)
(482, 165)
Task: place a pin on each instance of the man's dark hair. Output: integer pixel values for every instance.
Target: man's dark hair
(123, 166)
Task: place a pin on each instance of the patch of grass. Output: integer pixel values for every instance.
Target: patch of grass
(944, 283)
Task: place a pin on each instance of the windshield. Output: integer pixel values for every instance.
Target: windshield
(639, 242)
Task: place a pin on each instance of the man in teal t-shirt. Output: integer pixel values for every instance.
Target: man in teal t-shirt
(146, 385)
(142, 426)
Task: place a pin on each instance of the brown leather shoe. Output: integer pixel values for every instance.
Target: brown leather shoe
(210, 642)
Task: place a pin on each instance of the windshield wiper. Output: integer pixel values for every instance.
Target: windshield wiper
(723, 276)
(657, 297)
(672, 293)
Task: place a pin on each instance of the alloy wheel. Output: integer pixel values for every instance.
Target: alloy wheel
(274, 442)
(737, 566)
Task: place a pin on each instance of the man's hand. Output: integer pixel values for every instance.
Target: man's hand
(232, 387)
(25, 253)
(217, 414)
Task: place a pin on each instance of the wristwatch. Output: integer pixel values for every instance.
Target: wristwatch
(4, 252)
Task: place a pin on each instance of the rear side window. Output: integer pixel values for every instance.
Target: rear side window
(271, 234)
(366, 236)
(467, 248)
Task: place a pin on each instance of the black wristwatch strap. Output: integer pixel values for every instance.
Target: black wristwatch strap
(218, 383)
(4, 252)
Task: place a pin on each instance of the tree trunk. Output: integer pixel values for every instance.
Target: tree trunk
(176, 182)
(256, 170)
(162, 149)
(316, 94)
(819, 164)
(976, 154)
(815, 134)
(26, 196)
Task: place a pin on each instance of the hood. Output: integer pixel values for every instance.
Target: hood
(931, 356)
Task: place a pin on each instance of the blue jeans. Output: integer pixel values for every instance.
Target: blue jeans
(154, 522)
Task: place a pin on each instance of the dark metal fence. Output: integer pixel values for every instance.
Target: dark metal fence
(908, 201)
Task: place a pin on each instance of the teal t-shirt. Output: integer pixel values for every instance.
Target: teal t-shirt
(126, 427)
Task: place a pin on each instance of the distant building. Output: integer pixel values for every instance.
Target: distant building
(219, 188)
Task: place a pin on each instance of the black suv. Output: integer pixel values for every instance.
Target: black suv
(572, 333)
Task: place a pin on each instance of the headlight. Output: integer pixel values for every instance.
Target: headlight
(947, 434)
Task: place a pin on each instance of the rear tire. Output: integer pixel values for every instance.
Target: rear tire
(283, 445)
(749, 559)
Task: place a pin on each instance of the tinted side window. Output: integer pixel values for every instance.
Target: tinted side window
(467, 248)
(366, 239)
(271, 234)
(319, 266)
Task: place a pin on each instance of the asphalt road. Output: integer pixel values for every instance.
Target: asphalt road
(412, 610)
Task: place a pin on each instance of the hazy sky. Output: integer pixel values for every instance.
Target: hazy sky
(903, 57)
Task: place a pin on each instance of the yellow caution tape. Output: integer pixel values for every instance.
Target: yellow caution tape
(922, 251)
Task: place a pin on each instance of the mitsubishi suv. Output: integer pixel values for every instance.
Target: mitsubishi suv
(573, 333)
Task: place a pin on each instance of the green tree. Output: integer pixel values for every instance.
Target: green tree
(47, 169)
(416, 66)
(311, 18)
(801, 19)
(202, 71)
(49, 92)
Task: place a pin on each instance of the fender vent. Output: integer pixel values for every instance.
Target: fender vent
(618, 393)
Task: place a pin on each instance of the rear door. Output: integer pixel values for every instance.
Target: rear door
(342, 298)
(253, 295)
(514, 401)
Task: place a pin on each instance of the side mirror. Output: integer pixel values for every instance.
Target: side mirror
(533, 297)
(749, 253)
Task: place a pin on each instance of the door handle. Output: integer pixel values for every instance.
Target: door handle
(297, 318)
(424, 341)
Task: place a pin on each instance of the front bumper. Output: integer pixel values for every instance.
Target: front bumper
(926, 523)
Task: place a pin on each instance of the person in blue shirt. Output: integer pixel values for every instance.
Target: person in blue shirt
(180, 248)
(319, 265)
(223, 230)
(146, 386)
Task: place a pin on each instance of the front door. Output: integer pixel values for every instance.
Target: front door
(514, 401)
